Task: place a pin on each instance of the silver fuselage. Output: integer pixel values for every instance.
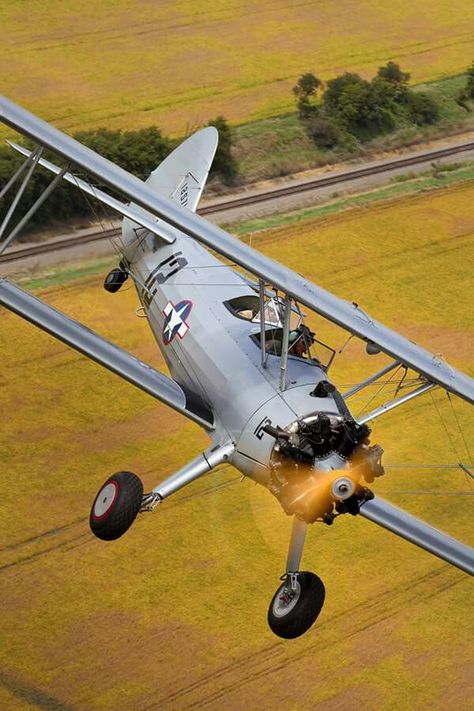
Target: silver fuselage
(216, 357)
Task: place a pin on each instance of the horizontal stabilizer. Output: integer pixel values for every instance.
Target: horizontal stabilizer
(420, 533)
(112, 357)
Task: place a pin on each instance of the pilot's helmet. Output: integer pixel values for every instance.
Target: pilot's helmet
(301, 331)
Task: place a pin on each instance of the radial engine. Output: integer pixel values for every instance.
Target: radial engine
(320, 466)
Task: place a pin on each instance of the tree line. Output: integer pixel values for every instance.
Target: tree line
(341, 112)
(138, 152)
(350, 108)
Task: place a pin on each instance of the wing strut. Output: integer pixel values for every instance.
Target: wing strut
(372, 379)
(395, 403)
(21, 190)
(158, 227)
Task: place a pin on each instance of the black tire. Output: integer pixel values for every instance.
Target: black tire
(302, 613)
(116, 505)
(114, 280)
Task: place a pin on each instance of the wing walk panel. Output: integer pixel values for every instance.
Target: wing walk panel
(314, 297)
(105, 353)
(420, 533)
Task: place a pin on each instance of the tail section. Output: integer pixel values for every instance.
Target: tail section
(180, 177)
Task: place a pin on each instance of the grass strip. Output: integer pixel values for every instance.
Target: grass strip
(401, 186)
(408, 186)
(63, 274)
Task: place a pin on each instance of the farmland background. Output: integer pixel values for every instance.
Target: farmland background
(177, 64)
(172, 616)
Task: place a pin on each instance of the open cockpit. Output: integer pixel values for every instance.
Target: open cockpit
(279, 335)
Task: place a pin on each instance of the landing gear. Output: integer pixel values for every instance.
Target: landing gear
(114, 280)
(296, 605)
(299, 600)
(116, 506)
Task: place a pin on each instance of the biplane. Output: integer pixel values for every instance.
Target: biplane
(243, 363)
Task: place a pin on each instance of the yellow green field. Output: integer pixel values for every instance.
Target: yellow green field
(173, 616)
(178, 64)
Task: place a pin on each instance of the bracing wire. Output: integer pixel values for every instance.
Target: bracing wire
(96, 214)
(377, 393)
(451, 440)
(461, 431)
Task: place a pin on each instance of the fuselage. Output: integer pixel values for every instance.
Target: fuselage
(185, 292)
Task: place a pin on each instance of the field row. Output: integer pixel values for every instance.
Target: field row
(177, 65)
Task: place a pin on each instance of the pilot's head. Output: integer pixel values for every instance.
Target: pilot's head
(299, 340)
(296, 343)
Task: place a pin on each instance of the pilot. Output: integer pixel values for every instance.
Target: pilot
(299, 340)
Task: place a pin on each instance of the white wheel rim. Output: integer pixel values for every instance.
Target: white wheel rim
(105, 500)
(285, 601)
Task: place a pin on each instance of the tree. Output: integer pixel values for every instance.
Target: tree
(143, 150)
(392, 73)
(346, 97)
(224, 163)
(139, 152)
(306, 91)
(358, 105)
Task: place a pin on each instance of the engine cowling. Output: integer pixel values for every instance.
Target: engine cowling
(320, 461)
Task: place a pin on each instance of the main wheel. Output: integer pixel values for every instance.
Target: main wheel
(116, 506)
(291, 613)
(114, 280)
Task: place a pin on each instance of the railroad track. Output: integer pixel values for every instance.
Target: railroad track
(246, 200)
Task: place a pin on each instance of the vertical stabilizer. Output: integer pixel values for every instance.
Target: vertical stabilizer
(181, 176)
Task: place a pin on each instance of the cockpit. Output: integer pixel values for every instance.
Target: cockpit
(301, 341)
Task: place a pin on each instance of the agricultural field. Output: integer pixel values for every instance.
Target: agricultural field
(179, 64)
(173, 615)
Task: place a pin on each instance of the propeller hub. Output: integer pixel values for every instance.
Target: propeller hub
(343, 488)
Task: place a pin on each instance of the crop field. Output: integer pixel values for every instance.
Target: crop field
(178, 64)
(173, 615)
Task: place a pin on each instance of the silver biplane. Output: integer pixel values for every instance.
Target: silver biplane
(242, 360)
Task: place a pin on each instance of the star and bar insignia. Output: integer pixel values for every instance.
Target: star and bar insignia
(175, 320)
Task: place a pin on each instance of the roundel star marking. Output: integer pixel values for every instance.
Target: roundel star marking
(175, 320)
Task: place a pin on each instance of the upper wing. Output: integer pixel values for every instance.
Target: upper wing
(342, 313)
(105, 353)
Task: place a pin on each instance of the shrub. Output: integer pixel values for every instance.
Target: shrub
(467, 93)
(324, 133)
(422, 108)
(470, 82)
(224, 164)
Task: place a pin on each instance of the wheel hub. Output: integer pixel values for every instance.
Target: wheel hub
(286, 600)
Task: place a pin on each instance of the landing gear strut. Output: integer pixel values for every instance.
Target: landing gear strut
(299, 600)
